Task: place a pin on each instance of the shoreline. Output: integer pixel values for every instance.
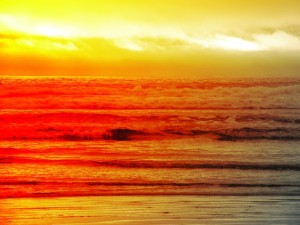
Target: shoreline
(158, 210)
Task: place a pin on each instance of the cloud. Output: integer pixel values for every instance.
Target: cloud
(126, 43)
(278, 40)
(195, 17)
(248, 53)
(20, 42)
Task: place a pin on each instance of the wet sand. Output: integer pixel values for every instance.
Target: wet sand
(162, 210)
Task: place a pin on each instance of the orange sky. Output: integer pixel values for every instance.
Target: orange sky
(170, 38)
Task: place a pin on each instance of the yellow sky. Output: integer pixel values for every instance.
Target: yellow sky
(150, 37)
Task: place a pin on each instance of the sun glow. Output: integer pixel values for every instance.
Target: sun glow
(52, 31)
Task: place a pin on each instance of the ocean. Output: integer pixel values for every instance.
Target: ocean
(90, 138)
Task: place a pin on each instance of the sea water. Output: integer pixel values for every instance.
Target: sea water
(87, 136)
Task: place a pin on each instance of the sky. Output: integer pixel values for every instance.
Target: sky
(170, 38)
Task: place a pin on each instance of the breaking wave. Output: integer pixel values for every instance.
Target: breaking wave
(127, 134)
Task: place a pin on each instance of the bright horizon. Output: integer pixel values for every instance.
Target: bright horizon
(150, 38)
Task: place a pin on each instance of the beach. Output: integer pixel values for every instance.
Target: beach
(130, 112)
(151, 210)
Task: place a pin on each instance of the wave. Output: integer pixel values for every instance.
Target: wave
(245, 133)
(118, 134)
(267, 118)
(6, 160)
(145, 184)
(155, 164)
(193, 184)
(127, 134)
(12, 183)
(179, 165)
(248, 133)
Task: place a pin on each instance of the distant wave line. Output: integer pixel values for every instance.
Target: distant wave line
(144, 164)
(145, 184)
